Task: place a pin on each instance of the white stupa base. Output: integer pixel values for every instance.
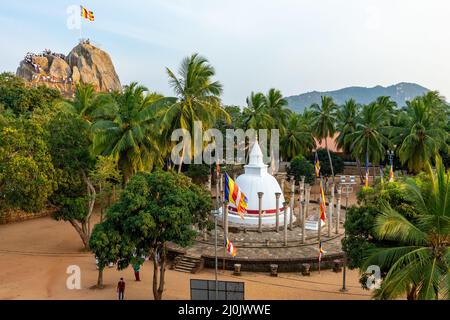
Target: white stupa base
(252, 220)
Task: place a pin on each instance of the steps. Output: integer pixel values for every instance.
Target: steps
(188, 264)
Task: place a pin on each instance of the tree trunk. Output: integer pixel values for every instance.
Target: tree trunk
(158, 289)
(358, 164)
(81, 231)
(100, 278)
(329, 158)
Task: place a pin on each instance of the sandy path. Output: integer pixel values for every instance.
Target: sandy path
(34, 256)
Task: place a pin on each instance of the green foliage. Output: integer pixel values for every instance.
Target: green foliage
(199, 172)
(127, 130)
(418, 258)
(325, 169)
(297, 137)
(72, 209)
(16, 96)
(26, 169)
(359, 237)
(153, 209)
(69, 143)
(299, 166)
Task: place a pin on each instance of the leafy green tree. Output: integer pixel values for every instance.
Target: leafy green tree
(324, 123)
(127, 130)
(26, 170)
(197, 99)
(422, 134)
(22, 100)
(325, 169)
(299, 167)
(105, 177)
(108, 245)
(418, 266)
(297, 138)
(156, 208)
(69, 144)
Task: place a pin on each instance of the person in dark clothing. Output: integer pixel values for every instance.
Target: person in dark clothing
(121, 289)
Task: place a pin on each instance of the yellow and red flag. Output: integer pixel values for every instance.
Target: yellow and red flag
(230, 248)
(321, 251)
(234, 195)
(391, 174)
(85, 13)
(323, 203)
(317, 165)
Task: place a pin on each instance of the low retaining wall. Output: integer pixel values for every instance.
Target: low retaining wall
(14, 215)
(263, 265)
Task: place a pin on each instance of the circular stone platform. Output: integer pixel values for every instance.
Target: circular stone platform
(256, 251)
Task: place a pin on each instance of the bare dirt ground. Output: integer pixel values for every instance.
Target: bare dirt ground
(35, 254)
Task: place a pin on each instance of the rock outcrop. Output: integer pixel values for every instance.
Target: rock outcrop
(85, 63)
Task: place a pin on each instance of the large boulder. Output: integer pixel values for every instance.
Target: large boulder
(94, 66)
(85, 63)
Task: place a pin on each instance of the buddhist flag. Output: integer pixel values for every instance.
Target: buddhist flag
(230, 248)
(367, 170)
(323, 203)
(391, 174)
(85, 13)
(234, 195)
(321, 251)
(317, 165)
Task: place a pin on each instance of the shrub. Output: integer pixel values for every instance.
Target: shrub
(299, 166)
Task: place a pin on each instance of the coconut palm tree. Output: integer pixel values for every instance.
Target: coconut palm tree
(255, 114)
(86, 101)
(346, 119)
(418, 266)
(276, 107)
(126, 130)
(324, 122)
(197, 99)
(370, 138)
(297, 138)
(422, 134)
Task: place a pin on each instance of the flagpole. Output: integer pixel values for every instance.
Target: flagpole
(225, 231)
(215, 254)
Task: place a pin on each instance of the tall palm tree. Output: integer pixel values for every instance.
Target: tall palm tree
(370, 138)
(86, 101)
(126, 130)
(346, 119)
(418, 266)
(276, 107)
(255, 114)
(324, 122)
(422, 134)
(297, 138)
(197, 99)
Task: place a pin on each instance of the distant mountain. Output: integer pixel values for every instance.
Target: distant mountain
(399, 93)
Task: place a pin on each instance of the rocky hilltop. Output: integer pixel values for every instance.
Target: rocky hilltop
(85, 63)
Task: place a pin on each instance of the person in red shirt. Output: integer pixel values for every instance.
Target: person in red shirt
(121, 289)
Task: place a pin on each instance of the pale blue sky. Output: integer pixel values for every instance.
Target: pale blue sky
(293, 45)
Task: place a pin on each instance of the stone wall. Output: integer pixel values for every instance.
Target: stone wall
(14, 215)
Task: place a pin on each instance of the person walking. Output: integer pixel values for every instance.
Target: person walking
(121, 289)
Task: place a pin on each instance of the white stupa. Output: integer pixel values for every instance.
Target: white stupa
(257, 179)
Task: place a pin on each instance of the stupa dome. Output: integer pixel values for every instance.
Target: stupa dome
(257, 179)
